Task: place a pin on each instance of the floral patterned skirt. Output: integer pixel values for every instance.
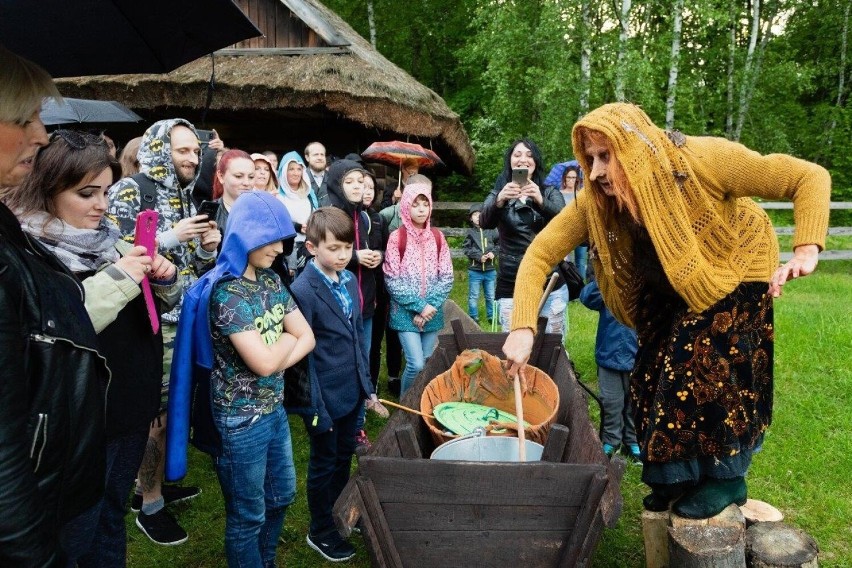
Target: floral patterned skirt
(702, 385)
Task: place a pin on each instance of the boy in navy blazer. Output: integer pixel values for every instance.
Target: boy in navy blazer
(327, 295)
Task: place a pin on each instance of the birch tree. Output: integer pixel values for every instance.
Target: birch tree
(624, 33)
(585, 57)
(841, 76)
(371, 22)
(673, 65)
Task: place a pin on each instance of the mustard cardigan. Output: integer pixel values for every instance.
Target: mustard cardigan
(694, 200)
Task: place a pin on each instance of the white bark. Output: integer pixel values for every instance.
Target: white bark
(371, 22)
(585, 57)
(624, 21)
(673, 68)
(732, 53)
(745, 95)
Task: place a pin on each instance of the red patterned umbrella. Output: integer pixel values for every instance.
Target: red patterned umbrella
(396, 152)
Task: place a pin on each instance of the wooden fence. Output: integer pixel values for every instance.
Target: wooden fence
(776, 205)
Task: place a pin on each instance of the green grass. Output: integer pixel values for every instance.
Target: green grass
(804, 469)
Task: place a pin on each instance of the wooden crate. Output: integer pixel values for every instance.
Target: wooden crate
(418, 512)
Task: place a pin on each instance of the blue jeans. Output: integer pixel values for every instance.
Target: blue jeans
(258, 481)
(554, 309)
(328, 470)
(367, 340)
(581, 260)
(417, 347)
(486, 280)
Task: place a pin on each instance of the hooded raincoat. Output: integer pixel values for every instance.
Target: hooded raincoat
(257, 219)
(422, 274)
(174, 202)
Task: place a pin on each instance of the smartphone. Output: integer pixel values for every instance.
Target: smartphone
(146, 236)
(520, 176)
(204, 137)
(209, 208)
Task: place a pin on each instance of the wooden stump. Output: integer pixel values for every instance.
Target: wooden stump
(756, 511)
(730, 517)
(777, 545)
(655, 534)
(699, 546)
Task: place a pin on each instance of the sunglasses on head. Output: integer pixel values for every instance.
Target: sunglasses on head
(77, 140)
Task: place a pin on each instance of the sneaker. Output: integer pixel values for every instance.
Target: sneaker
(171, 494)
(633, 453)
(362, 441)
(333, 548)
(608, 450)
(161, 528)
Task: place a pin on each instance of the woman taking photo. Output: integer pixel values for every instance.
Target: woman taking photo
(691, 262)
(62, 204)
(519, 209)
(51, 403)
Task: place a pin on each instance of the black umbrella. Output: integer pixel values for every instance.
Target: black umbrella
(70, 38)
(85, 111)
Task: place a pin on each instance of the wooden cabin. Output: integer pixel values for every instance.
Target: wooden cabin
(309, 77)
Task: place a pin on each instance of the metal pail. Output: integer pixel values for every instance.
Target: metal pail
(481, 448)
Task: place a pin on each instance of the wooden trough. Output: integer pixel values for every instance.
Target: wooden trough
(417, 512)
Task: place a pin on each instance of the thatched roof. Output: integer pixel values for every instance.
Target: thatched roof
(348, 78)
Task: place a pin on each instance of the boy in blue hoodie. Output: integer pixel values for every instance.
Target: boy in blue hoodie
(328, 296)
(239, 330)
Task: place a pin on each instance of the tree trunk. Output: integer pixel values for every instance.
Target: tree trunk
(624, 20)
(778, 545)
(747, 69)
(585, 57)
(732, 53)
(673, 68)
(841, 80)
(707, 547)
(371, 22)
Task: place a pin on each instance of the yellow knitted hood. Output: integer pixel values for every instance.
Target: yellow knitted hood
(708, 242)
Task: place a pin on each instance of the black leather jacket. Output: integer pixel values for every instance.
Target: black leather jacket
(52, 384)
(518, 224)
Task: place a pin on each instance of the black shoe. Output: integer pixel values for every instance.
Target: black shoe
(394, 386)
(662, 495)
(333, 548)
(171, 494)
(161, 528)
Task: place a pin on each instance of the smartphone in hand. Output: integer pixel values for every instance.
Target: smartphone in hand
(209, 208)
(520, 176)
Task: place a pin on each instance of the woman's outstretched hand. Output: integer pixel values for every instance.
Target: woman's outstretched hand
(804, 261)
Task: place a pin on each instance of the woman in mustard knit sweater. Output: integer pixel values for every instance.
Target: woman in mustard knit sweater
(689, 260)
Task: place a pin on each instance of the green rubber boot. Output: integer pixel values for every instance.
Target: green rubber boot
(711, 497)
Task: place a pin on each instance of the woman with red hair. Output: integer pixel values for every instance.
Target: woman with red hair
(234, 175)
(687, 258)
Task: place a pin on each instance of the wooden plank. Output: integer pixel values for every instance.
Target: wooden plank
(452, 516)
(282, 51)
(459, 336)
(577, 542)
(381, 531)
(832, 231)
(478, 483)
(316, 22)
(407, 441)
(430, 549)
(557, 441)
(347, 509)
(824, 255)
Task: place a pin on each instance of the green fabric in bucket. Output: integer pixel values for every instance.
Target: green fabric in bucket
(463, 418)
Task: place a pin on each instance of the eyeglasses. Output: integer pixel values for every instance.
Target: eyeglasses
(77, 140)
